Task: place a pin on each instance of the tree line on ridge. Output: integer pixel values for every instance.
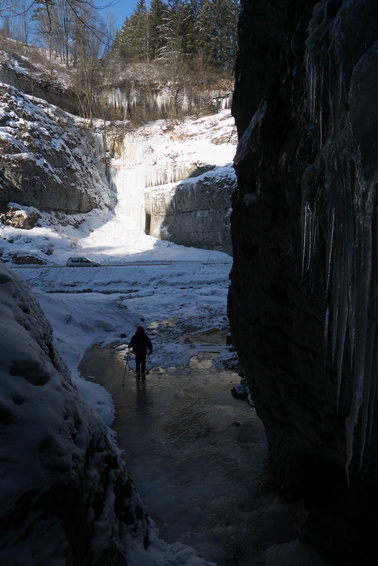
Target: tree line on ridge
(197, 35)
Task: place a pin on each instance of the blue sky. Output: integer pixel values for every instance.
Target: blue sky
(121, 9)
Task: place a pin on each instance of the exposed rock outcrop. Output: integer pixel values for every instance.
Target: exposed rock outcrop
(18, 218)
(48, 160)
(303, 299)
(26, 70)
(196, 212)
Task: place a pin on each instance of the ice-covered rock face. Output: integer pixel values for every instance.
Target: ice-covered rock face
(65, 493)
(151, 101)
(303, 297)
(174, 179)
(47, 159)
(340, 196)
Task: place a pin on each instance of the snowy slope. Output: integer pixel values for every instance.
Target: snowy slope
(54, 450)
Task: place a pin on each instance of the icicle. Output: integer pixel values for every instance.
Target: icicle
(366, 395)
(351, 289)
(347, 213)
(312, 90)
(342, 333)
(325, 338)
(304, 218)
(329, 249)
(320, 118)
(373, 389)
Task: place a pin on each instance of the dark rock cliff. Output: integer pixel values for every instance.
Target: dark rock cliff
(303, 294)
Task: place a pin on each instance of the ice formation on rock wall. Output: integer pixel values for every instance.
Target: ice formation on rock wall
(338, 210)
(166, 100)
(163, 154)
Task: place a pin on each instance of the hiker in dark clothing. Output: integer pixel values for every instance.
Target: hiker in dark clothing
(140, 344)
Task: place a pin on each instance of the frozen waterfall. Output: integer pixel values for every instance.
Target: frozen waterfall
(141, 165)
(161, 155)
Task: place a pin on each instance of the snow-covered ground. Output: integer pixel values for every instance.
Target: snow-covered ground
(38, 416)
(141, 279)
(164, 294)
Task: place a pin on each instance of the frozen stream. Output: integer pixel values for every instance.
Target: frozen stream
(196, 455)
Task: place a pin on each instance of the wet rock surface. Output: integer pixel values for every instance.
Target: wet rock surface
(190, 447)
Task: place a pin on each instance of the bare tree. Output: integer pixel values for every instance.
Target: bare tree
(53, 19)
(87, 50)
(71, 31)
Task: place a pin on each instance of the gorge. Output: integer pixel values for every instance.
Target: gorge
(302, 300)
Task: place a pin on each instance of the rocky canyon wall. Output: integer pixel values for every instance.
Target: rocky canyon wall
(303, 294)
(49, 160)
(195, 212)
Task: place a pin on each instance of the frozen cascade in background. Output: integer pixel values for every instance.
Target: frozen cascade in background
(338, 197)
(130, 207)
(138, 167)
(160, 155)
(133, 173)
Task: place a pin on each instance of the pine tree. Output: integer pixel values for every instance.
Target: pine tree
(133, 41)
(204, 58)
(220, 18)
(176, 30)
(226, 17)
(141, 31)
(196, 34)
(157, 16)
